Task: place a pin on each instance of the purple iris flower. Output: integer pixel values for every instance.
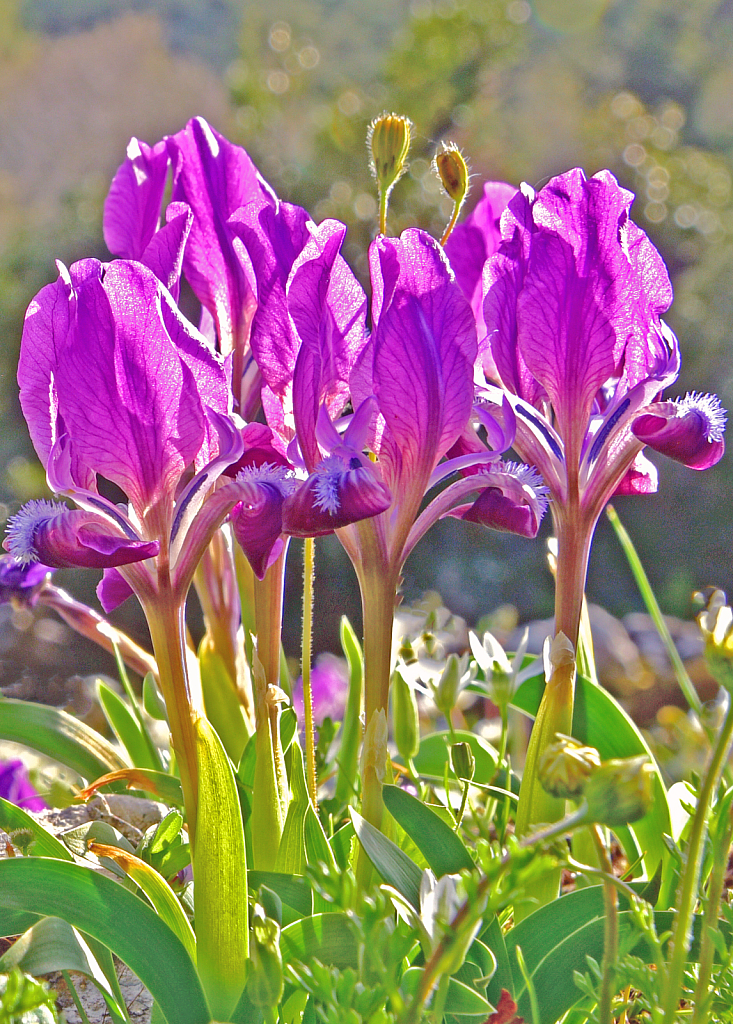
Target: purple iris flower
(115, 383)
(16, 787)
(573, 296)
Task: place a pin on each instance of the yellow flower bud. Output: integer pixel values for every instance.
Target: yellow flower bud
(565, 767)
(388, 139)
(452, 169)
(620, 791)
(716, 625)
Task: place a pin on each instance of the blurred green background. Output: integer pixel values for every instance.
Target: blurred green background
(527, 89)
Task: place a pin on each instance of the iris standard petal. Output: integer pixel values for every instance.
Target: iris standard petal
(132, 207)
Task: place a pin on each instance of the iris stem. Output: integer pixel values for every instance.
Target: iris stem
(610, 929)
(306, 651)
(181, 692)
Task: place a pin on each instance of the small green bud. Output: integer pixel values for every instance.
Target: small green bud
(388, 139)
(406, 652)
(405, 717)
(452, 169)
(620, 791)
(265, 981)
(565, 767)
(463, 761)
(449, 684)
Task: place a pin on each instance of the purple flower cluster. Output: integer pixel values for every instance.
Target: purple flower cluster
(116, 383)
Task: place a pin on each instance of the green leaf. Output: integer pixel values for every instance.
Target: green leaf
(493, 938)
(434, 753)
(293, 890)
(220, 870)
(45, 844)
(223, 708)
(60, 736)
(601, 722)
(348, 758)
(291, 855)
(393, 865)
(462, 1000)
(53, 945)
(15, 922)
(107, 911)
(326, 937)
(438, 843)
(125, 726)
(152, 699)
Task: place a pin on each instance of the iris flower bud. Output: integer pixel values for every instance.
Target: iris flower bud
(565, 767)
(620, 791)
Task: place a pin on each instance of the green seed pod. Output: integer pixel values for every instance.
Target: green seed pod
(620, 791)
(265, 982)
(565, 767)
(388, 139)
(448, 688)
(405, 717)
(463, 761)
(452, 170)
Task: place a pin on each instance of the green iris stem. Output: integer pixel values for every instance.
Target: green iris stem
(688, 886)
(306, 652)
(181, 692)
(555, 713)
(610, 929)
(268, 622)
(378, 588)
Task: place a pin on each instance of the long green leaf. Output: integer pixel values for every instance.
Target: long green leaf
(44, 844)
(223, 708)
(438, 843)
(59, 736)
(601, 722)
(107, 911)
(292, 889)
(391, 862)
(53, 945)
(126, 727)
(462, 1000)
(348, 758)
(291, 855)
(220, 870)
(326, 937)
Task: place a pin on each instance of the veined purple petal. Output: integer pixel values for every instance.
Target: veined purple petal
(20, 581)
(689, 430)
(513, 500)
(573, 312)
(478, 237)
(47, 532)
(340, 491)
(257, 519)
(272, 235)
(113, 590)
(328, 308)
(132, 208)
(215, 178)
(164, 252)
(424, 350)
(138, 419)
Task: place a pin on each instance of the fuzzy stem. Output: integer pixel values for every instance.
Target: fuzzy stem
(610, 929)
(306, 652)
(687, 892)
